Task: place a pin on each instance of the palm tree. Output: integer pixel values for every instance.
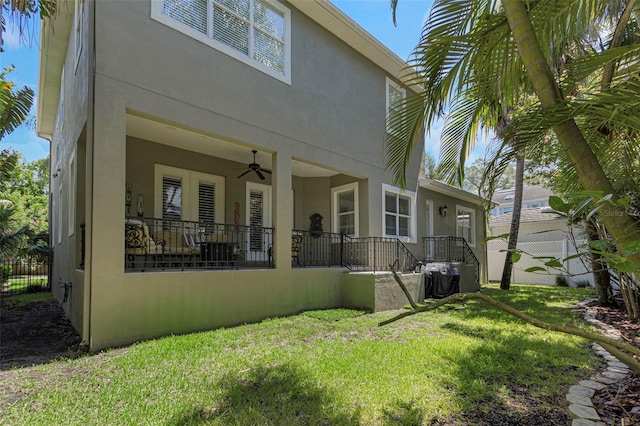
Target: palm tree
(477, 55)
(19, 11)
(14, 104)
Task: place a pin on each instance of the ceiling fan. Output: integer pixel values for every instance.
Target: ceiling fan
(255, 167)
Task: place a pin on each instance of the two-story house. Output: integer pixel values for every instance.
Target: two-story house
(216, 162)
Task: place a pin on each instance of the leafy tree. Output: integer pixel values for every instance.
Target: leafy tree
(19, 11)
(430, 166)
(477, 55)
(14, 104)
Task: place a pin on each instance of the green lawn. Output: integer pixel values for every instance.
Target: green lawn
(17, 284)
(324, 367)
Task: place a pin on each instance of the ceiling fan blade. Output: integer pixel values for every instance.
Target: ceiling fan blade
(266, 171)
(247, 171)
(260, 175)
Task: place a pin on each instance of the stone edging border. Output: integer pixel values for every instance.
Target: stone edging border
(579, 396)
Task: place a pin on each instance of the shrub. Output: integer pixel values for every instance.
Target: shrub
(562, 281)
(5, 273)
(583, 284)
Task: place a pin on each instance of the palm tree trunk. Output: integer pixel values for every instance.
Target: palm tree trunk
(505, 282)
(601, 276)
(588, 169)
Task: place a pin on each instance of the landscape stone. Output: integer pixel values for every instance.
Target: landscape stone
(591, 384)
(605, 380)
(581, 390)
(583, 412)
(585, 422)
(614, 375)
(579, 399)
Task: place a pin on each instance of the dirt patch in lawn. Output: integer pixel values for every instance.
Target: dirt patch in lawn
(34, 333)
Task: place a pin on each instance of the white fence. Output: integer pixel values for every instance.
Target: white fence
(575, 269)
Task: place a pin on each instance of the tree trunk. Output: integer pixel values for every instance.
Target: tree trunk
(505, 282)
(601, 276)
(589, 171)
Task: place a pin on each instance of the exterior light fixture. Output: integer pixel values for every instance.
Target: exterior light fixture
(443, 210)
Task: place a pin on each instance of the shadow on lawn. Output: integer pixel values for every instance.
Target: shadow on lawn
(279, 395)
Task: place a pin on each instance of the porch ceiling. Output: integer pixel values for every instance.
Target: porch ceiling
(169, 134)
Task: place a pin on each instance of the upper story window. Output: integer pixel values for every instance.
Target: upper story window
(399, 213)
(395, 94)
(256, 32)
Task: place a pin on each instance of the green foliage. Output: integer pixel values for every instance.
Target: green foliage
(14, 104)
(562, 281)
(20, 11)
(5, 272)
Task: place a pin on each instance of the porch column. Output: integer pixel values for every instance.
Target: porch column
(282, 209)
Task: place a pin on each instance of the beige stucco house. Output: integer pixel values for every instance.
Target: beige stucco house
(154, 108)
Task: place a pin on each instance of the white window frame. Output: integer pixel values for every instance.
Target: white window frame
(335, 192)
(472, 223)
(412, 209)
(78, 23)
(158, 15)
(190, 181)
(60, 204)
(391, 83)
(429, 220)
(71, 184)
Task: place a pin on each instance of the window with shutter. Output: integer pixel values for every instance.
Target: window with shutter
(256, 219)
(171, 198)
(254, 31)
(206, 202)
(187, 195)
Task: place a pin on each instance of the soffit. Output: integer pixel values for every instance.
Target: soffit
(54, 39)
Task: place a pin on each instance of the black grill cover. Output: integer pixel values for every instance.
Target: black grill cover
(440, 280)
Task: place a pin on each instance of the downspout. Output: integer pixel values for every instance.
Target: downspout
(88, 299)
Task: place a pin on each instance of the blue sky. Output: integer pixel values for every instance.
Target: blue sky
(373, 15)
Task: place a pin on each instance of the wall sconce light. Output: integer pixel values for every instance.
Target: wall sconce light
(443, 210)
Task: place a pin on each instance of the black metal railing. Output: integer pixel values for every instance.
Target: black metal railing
(450, 249)
(159, 244)
(25, 275)
(377, 254)
(316, 249)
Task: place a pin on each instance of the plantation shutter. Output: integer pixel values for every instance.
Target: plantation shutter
(256, 220)
(207, 202)
(171, 198)
(192, 13)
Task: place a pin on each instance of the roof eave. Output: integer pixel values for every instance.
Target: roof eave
(451, 191)
(54, 40)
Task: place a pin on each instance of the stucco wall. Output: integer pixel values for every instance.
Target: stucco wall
(336, 100)
(377, 292)
(144, 305)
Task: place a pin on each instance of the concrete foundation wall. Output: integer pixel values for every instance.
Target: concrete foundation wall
(140, 306)
(377, 292)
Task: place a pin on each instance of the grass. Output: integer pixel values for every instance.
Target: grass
(321, 367)
(16, 284)
(22, 299)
